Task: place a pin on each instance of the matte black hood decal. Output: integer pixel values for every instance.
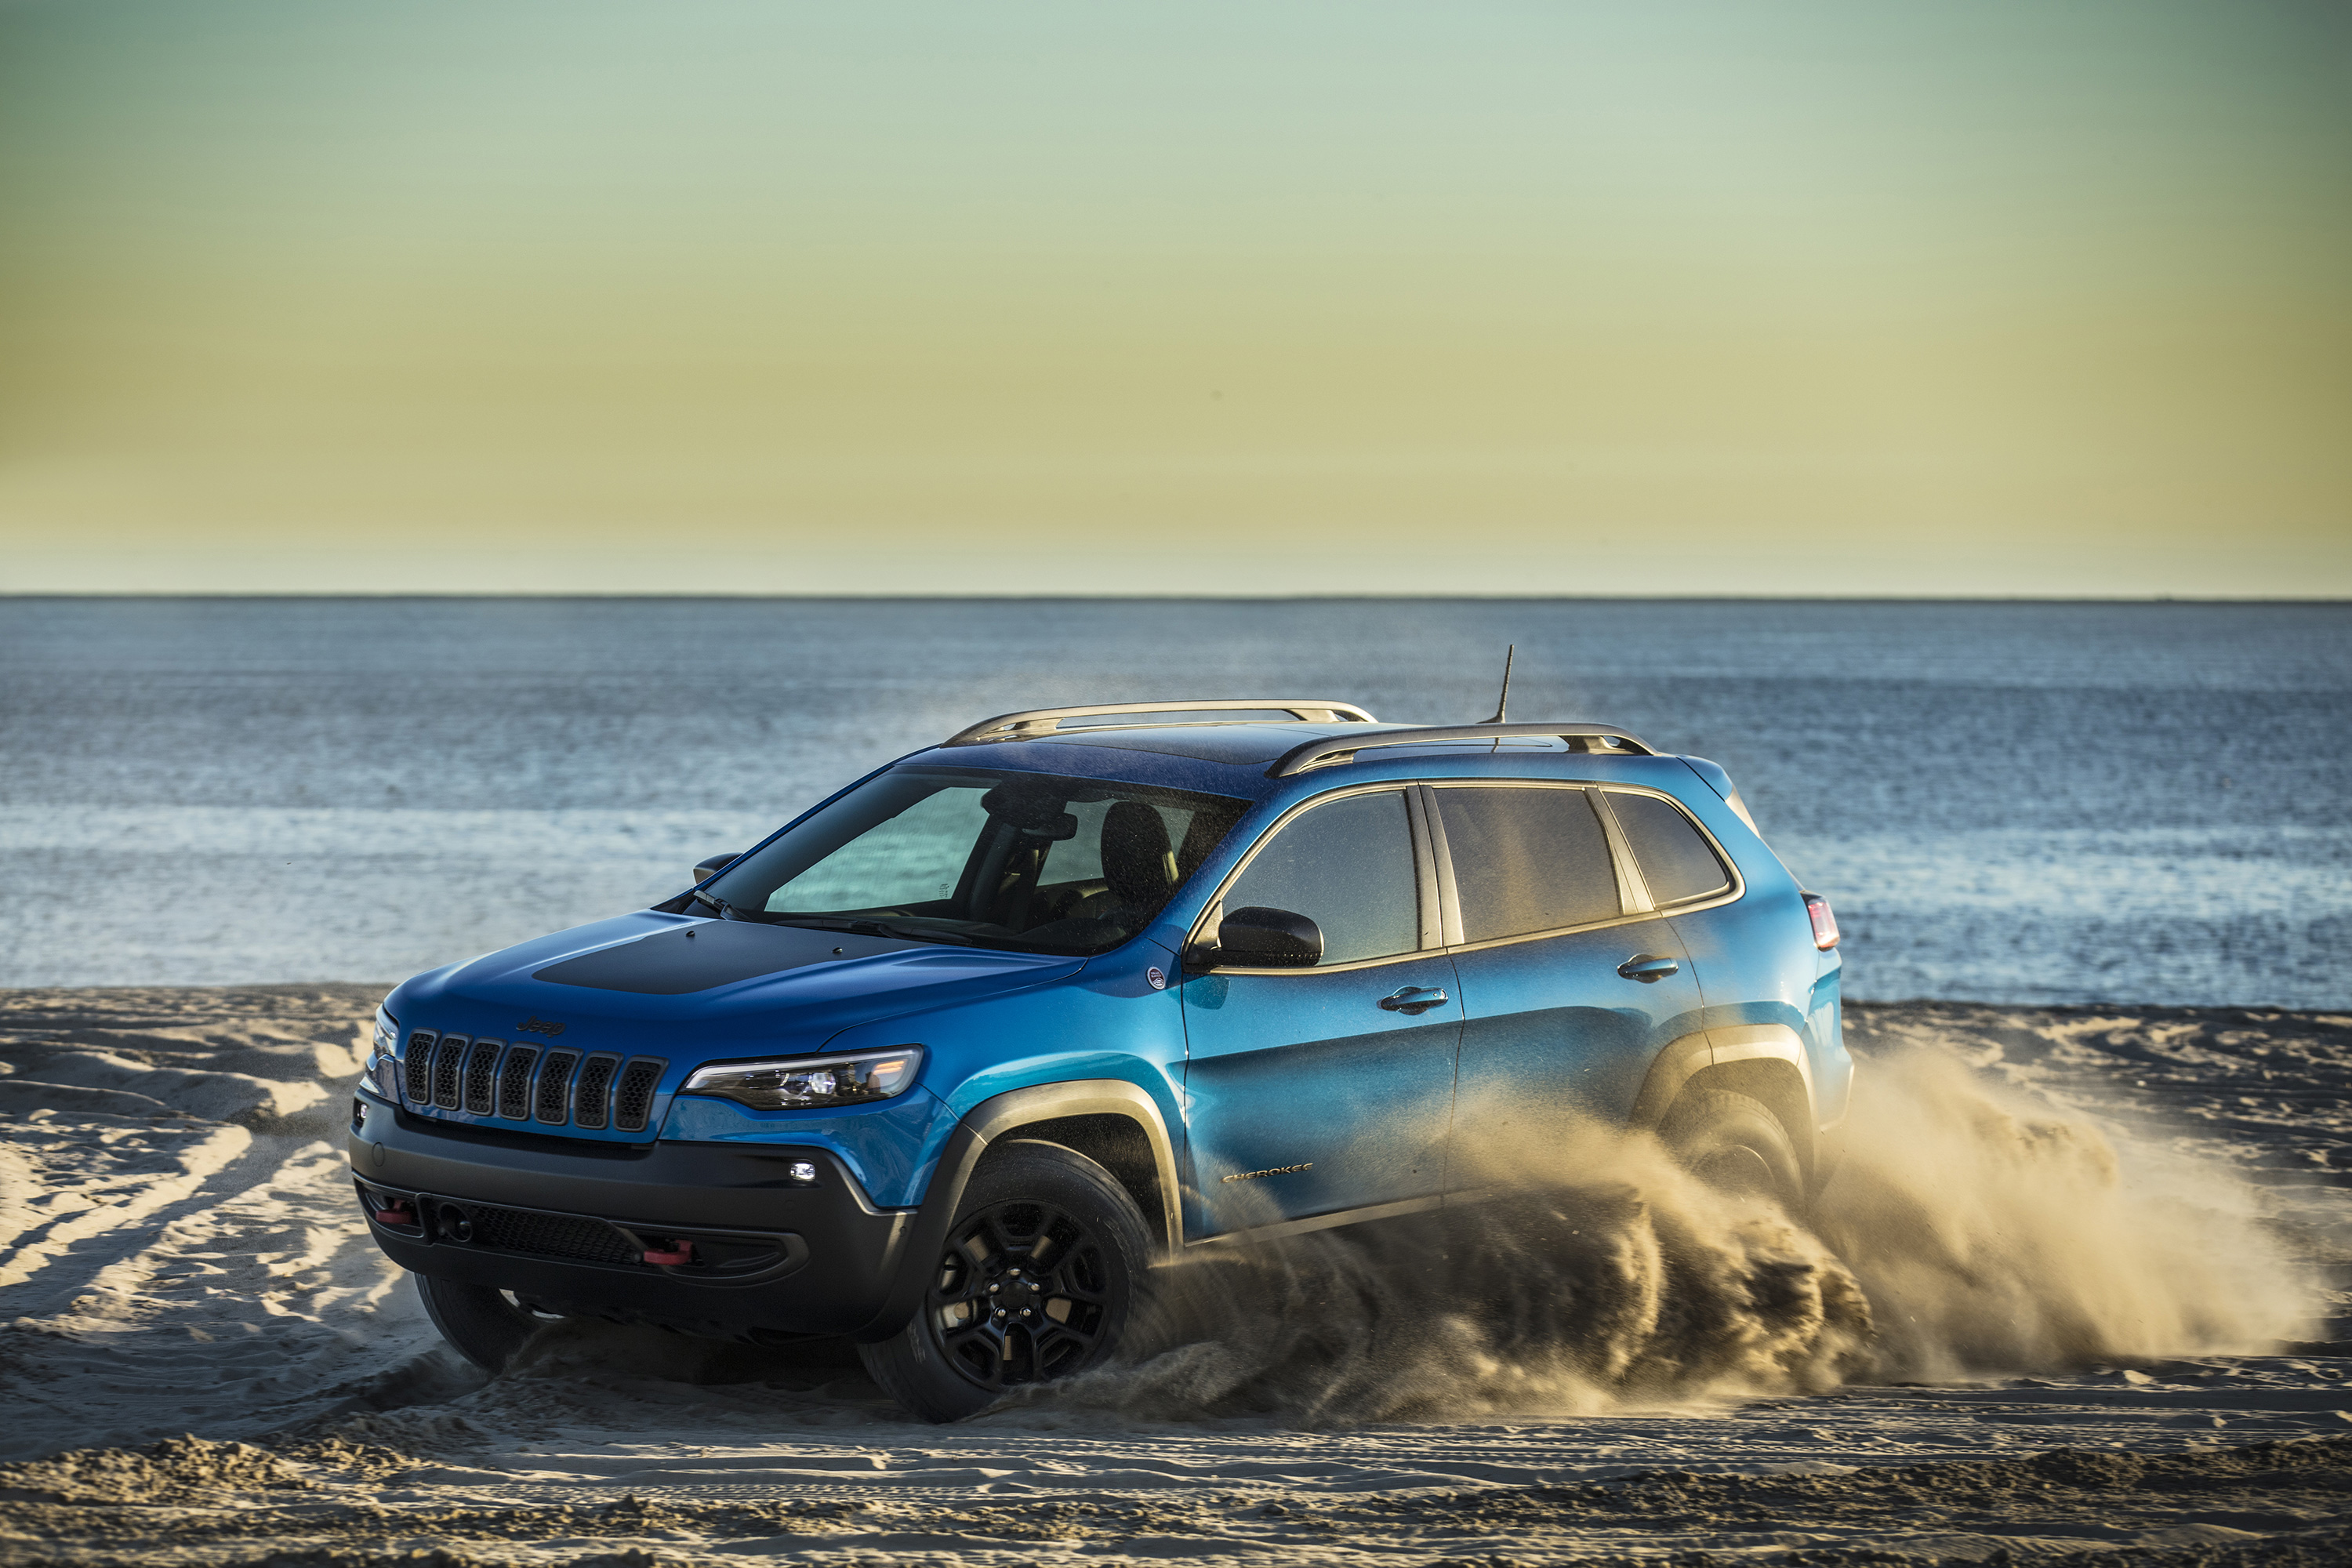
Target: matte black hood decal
(714, 953)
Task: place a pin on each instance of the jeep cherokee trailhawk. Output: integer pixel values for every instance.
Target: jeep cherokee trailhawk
(948, 1062)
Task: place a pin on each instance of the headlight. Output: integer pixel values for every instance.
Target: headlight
(379, 1070)
(827, 1081)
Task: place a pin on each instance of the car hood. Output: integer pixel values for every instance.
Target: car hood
(657, 982)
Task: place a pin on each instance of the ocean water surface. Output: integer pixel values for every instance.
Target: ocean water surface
(2007, 802)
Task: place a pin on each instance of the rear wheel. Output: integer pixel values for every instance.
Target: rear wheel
(485, 1326)
(1038, 1281)
(1735, 1143)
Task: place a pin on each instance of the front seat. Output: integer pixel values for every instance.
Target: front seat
(1139, 866)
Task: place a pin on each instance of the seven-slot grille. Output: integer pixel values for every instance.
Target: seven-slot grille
(530, 1083)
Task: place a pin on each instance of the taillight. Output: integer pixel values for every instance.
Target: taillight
(1825, 931)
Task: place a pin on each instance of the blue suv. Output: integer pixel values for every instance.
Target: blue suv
(949, 1062)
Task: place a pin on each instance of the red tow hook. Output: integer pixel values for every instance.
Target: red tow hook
(397, 1214)
(671, 1256)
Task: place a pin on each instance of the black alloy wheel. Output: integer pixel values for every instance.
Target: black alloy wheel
(1022, 1294)
(1037, 1282)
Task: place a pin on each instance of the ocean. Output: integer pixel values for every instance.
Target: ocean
(2006, 802)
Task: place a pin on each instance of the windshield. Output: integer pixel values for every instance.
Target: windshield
(1030, 861)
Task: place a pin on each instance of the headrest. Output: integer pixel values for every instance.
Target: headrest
(1136, 860)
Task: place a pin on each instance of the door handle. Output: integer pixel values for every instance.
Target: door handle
(1648, 967)
(1415, 1000)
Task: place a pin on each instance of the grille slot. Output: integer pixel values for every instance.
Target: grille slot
(449, 1063)
(514, 1083)
(592, 1100)
(482, 1076)
(633, 1097)
(552, 1101)
(420, 1067)
(572, 1237)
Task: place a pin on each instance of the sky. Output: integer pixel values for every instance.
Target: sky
(1801, 299)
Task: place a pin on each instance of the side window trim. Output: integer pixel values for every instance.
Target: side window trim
(1632, 888)
(1426, 857)
(1449, 898)
(1425, 861)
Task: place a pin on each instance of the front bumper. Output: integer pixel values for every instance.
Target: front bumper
(566, 1225)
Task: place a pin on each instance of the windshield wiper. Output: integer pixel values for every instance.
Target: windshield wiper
(726, 911)
(872, 928)
(916, 933)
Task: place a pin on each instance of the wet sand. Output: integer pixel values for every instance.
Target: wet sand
(180, 1258)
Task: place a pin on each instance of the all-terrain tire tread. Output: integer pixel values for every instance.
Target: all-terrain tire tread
(479, 1324)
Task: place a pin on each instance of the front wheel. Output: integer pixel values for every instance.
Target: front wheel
(485, 1326)
(1038, 1281)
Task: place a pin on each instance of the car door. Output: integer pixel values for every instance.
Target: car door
(1325, 1090)
(1571, 984)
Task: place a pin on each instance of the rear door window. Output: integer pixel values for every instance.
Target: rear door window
(1527, 860)
(1676, 858)
(1347, 865)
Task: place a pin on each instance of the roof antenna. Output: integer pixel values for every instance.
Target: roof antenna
(1503, 704)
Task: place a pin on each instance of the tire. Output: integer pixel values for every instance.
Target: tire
(479, 1324)
(1736, 1144)
(1040, 1230)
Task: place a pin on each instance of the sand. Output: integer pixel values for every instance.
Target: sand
(206, 1362)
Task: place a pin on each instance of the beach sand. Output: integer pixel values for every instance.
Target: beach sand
(206, 1361)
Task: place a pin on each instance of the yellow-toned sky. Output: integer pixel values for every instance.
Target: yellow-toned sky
(1999, 297)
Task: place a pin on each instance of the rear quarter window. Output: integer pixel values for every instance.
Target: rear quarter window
(1675, 856)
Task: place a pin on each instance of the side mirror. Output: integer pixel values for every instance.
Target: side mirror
(1257, 937)
(711, 866)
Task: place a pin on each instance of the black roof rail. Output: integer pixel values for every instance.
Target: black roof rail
(1603, 739)
(1038, 723)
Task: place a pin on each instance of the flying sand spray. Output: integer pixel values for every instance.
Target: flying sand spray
(1968, 1234)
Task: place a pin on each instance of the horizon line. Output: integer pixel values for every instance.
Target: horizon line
(604, 594)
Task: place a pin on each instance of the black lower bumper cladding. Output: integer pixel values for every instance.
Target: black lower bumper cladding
(714, 1239)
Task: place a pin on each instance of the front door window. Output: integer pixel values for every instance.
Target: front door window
(1347, 866)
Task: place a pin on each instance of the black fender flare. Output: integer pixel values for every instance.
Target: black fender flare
(918, 1243)
(1684, 1058)
(1706, 1051)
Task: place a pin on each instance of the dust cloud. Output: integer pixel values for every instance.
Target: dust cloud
(1994, 1236)
(1968, 1233)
